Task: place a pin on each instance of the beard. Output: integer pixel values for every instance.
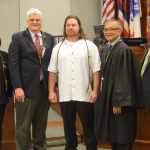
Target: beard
(72, 33)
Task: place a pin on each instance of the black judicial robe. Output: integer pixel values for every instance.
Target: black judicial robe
(121, 87)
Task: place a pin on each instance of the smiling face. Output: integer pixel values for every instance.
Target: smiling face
(112, 31)
(34, 23)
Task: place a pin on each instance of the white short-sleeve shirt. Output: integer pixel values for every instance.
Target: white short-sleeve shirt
(72, 61)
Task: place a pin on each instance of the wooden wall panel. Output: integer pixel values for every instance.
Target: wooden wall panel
(144, 4)
(8, 142)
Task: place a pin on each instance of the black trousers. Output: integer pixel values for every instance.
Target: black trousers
(2, 111)
(116, 146)
(85, 111)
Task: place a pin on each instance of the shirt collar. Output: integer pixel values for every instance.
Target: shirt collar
(73, 43)
(33, 34)
(113, 43)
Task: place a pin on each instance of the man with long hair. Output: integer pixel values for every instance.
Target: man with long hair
(76, 62)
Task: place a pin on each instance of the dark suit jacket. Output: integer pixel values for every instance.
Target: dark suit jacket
(24, 64)
(5, 85)
(146, 83)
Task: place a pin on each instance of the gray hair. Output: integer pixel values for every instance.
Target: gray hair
(33, 11)
(118, 24)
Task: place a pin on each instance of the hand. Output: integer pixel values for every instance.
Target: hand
(93, 97)
(52, 97)
(117, 110)
(19, 94)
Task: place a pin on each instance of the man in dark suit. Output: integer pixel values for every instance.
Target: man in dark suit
(29, 56)
(5, 88)
(121, 93)
(145, 74)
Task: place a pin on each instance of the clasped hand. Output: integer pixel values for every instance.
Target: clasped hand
(117, 110)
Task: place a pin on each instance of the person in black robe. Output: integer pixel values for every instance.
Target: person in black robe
(5, 88)
(120, 91)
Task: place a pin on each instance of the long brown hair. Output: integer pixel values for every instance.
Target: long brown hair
(81, 32)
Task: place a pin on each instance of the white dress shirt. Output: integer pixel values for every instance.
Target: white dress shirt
(70, 60)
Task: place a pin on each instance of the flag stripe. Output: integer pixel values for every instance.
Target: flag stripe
(122, 17)
(108, 11)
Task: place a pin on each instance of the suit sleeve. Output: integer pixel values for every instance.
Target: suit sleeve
(13, 62)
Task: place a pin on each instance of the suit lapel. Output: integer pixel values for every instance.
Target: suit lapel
(29, 40)
(148, 63)
(46, 45)
(143, 59)
(31, 45)
(113, 49)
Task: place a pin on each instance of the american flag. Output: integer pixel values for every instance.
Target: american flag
(135, 14)
(108, 11)
(122, 17)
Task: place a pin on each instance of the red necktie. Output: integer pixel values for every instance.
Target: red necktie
(39, 52)
(38, 47)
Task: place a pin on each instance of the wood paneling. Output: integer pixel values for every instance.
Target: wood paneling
(8, 142)
(139, 52)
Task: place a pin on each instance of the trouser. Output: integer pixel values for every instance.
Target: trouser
(2, 111)
(32, 113)
(85, 111)
(116, 146)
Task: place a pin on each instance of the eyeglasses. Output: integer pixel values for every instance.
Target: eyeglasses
(110, 30)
